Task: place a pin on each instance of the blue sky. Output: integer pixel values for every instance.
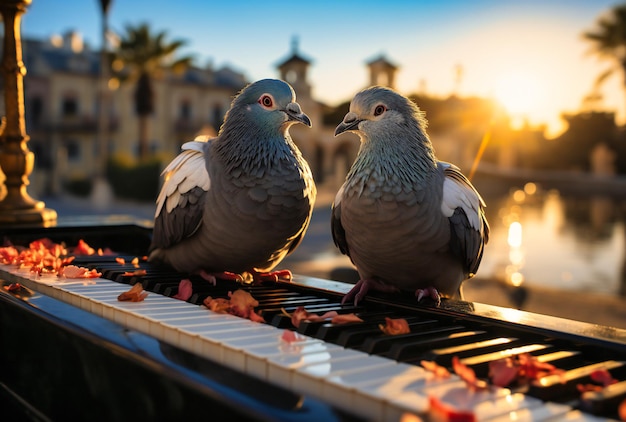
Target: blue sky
(507, 49)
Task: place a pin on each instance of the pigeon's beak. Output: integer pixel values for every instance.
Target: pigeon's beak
(294, 113)
(350, 122)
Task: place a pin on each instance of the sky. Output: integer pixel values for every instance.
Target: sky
(530, 55)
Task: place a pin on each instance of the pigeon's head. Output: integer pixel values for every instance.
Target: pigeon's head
(379, 111)
(269, 104)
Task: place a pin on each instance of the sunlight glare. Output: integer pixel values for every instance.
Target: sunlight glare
(515, 235)
(518, 92)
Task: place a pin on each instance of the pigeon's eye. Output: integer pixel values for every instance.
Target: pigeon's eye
(380, 109)
(266, 101)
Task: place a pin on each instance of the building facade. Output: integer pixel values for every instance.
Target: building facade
(62, 106)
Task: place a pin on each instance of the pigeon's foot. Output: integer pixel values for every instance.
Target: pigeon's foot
(428, 292)
(363, 286)
(224, 275)
(259, 277)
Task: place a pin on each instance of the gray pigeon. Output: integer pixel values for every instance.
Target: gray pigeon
(407, 221)
(234, 206)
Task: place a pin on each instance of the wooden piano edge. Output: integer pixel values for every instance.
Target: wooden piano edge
(59, 362)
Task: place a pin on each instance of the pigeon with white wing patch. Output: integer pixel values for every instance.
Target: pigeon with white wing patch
(237, 204)
(408, 221)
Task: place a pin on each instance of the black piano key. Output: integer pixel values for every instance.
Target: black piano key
(330, 332)
(563, 385)
(311, 328)
(480, 362)
(279, 320)
(354, 336)
(382, 344)
(443, 355)
(161, 286)
(418, 347)
(605, 401)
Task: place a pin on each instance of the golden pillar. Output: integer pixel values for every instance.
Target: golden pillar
(16, 161)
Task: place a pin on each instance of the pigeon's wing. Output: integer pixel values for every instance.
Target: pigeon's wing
(464, 207)
(339, 233)
(179, 204)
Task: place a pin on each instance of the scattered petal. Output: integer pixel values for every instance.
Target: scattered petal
(136, 273)
(73, 271)
(83, 248)
(135, 294)
(395, 327)
(468, 375)
(219, 305)
(444, 412)
(435, 368)
(345, 318)
(503, 372)
(241, 303)
(520, 368)
(289, 336)
(603, 377)
(185, 290)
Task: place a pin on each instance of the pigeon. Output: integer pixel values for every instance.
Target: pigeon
(408, 221)
(233, 206)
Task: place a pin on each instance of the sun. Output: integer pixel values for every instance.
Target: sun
(518, 92)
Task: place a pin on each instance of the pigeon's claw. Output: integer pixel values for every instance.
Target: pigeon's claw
(363, 286)
(428, 292)
(224, 275)
(274, 276)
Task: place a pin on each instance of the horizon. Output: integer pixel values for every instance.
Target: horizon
(529, 56)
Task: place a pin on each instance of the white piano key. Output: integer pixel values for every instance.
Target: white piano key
(238, 350)
(281, 366)
(361, 389)
(576, 416)
(457, 395)
(256, 357)
(309, 378)
(542, 412)
(505, 405)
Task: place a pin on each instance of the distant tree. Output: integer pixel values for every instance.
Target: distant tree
(609, 39)
(142, 55)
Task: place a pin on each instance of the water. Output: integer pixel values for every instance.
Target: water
(541, 237)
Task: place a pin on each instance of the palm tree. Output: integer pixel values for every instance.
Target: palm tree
(609, 39)
(142, 55)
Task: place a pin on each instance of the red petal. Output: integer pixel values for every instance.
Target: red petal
(395, 326)
(345, 318)
(503, 372)
(185, 290)
(441, 411)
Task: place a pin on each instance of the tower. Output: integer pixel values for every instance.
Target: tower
(382, 72)
(294, 70)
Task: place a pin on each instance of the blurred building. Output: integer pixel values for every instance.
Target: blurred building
(62, 104)
(62, 115)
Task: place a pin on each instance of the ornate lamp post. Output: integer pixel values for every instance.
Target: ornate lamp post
(16, 161)
(101, 192)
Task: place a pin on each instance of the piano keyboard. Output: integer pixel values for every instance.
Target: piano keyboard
(354, 367)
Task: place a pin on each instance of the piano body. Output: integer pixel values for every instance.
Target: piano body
(69, 350)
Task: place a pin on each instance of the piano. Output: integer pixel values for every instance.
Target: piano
(69, 350)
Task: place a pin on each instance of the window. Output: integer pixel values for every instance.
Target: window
(36, 109)
(73, 150)
(69, 107)
(185, 110)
